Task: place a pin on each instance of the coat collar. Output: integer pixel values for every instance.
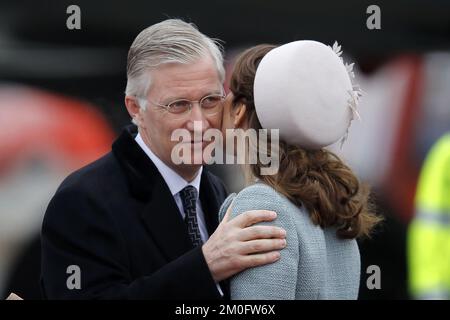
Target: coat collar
(160, 212)
(140, 172)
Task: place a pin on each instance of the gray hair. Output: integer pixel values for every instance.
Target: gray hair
(169, 41)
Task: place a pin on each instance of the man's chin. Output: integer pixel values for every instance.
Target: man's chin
(197, 156)
(199, 144)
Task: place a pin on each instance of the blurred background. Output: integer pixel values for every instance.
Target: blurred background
(61, 104)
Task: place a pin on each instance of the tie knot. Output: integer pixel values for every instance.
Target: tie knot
(189, 197)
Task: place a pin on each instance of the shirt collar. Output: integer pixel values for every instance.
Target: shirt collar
(173, 180)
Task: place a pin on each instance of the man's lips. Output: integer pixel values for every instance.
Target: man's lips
(202, 142)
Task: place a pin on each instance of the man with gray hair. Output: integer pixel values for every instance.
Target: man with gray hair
(133, 225)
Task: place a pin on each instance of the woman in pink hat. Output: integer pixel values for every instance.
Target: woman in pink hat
(304, 90)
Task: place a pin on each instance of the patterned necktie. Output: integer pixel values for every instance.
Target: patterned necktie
(189, 199)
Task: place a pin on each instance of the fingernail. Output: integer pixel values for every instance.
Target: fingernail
(273, 214)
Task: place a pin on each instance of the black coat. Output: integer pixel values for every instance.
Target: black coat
(118, 222)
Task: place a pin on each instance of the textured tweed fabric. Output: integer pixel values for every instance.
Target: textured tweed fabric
(315, 263)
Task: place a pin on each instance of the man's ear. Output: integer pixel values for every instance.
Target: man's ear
(134, 110)
(240, 115)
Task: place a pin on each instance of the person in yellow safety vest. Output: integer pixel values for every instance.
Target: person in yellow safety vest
(429, 232)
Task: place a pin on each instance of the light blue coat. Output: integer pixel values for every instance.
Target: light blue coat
(315, 263)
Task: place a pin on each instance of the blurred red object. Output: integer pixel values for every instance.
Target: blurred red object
(38, 124)
(401, 179)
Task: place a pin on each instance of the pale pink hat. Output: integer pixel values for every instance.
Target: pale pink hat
(305, 90)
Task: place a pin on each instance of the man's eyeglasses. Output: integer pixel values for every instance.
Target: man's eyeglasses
(210, 104)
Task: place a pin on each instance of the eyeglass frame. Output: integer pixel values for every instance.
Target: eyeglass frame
(191, 103)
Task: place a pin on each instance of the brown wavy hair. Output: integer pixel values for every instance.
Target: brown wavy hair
(315, 179)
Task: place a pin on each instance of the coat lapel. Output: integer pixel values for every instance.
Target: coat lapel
(211, 205)
(162, 217)
(210, 202)
(160, 213)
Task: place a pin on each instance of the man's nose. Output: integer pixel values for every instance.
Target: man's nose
(197, 116)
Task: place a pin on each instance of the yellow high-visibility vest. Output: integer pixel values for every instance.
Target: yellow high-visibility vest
(429, 232)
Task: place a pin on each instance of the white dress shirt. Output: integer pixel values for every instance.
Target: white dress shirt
(176, 183)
